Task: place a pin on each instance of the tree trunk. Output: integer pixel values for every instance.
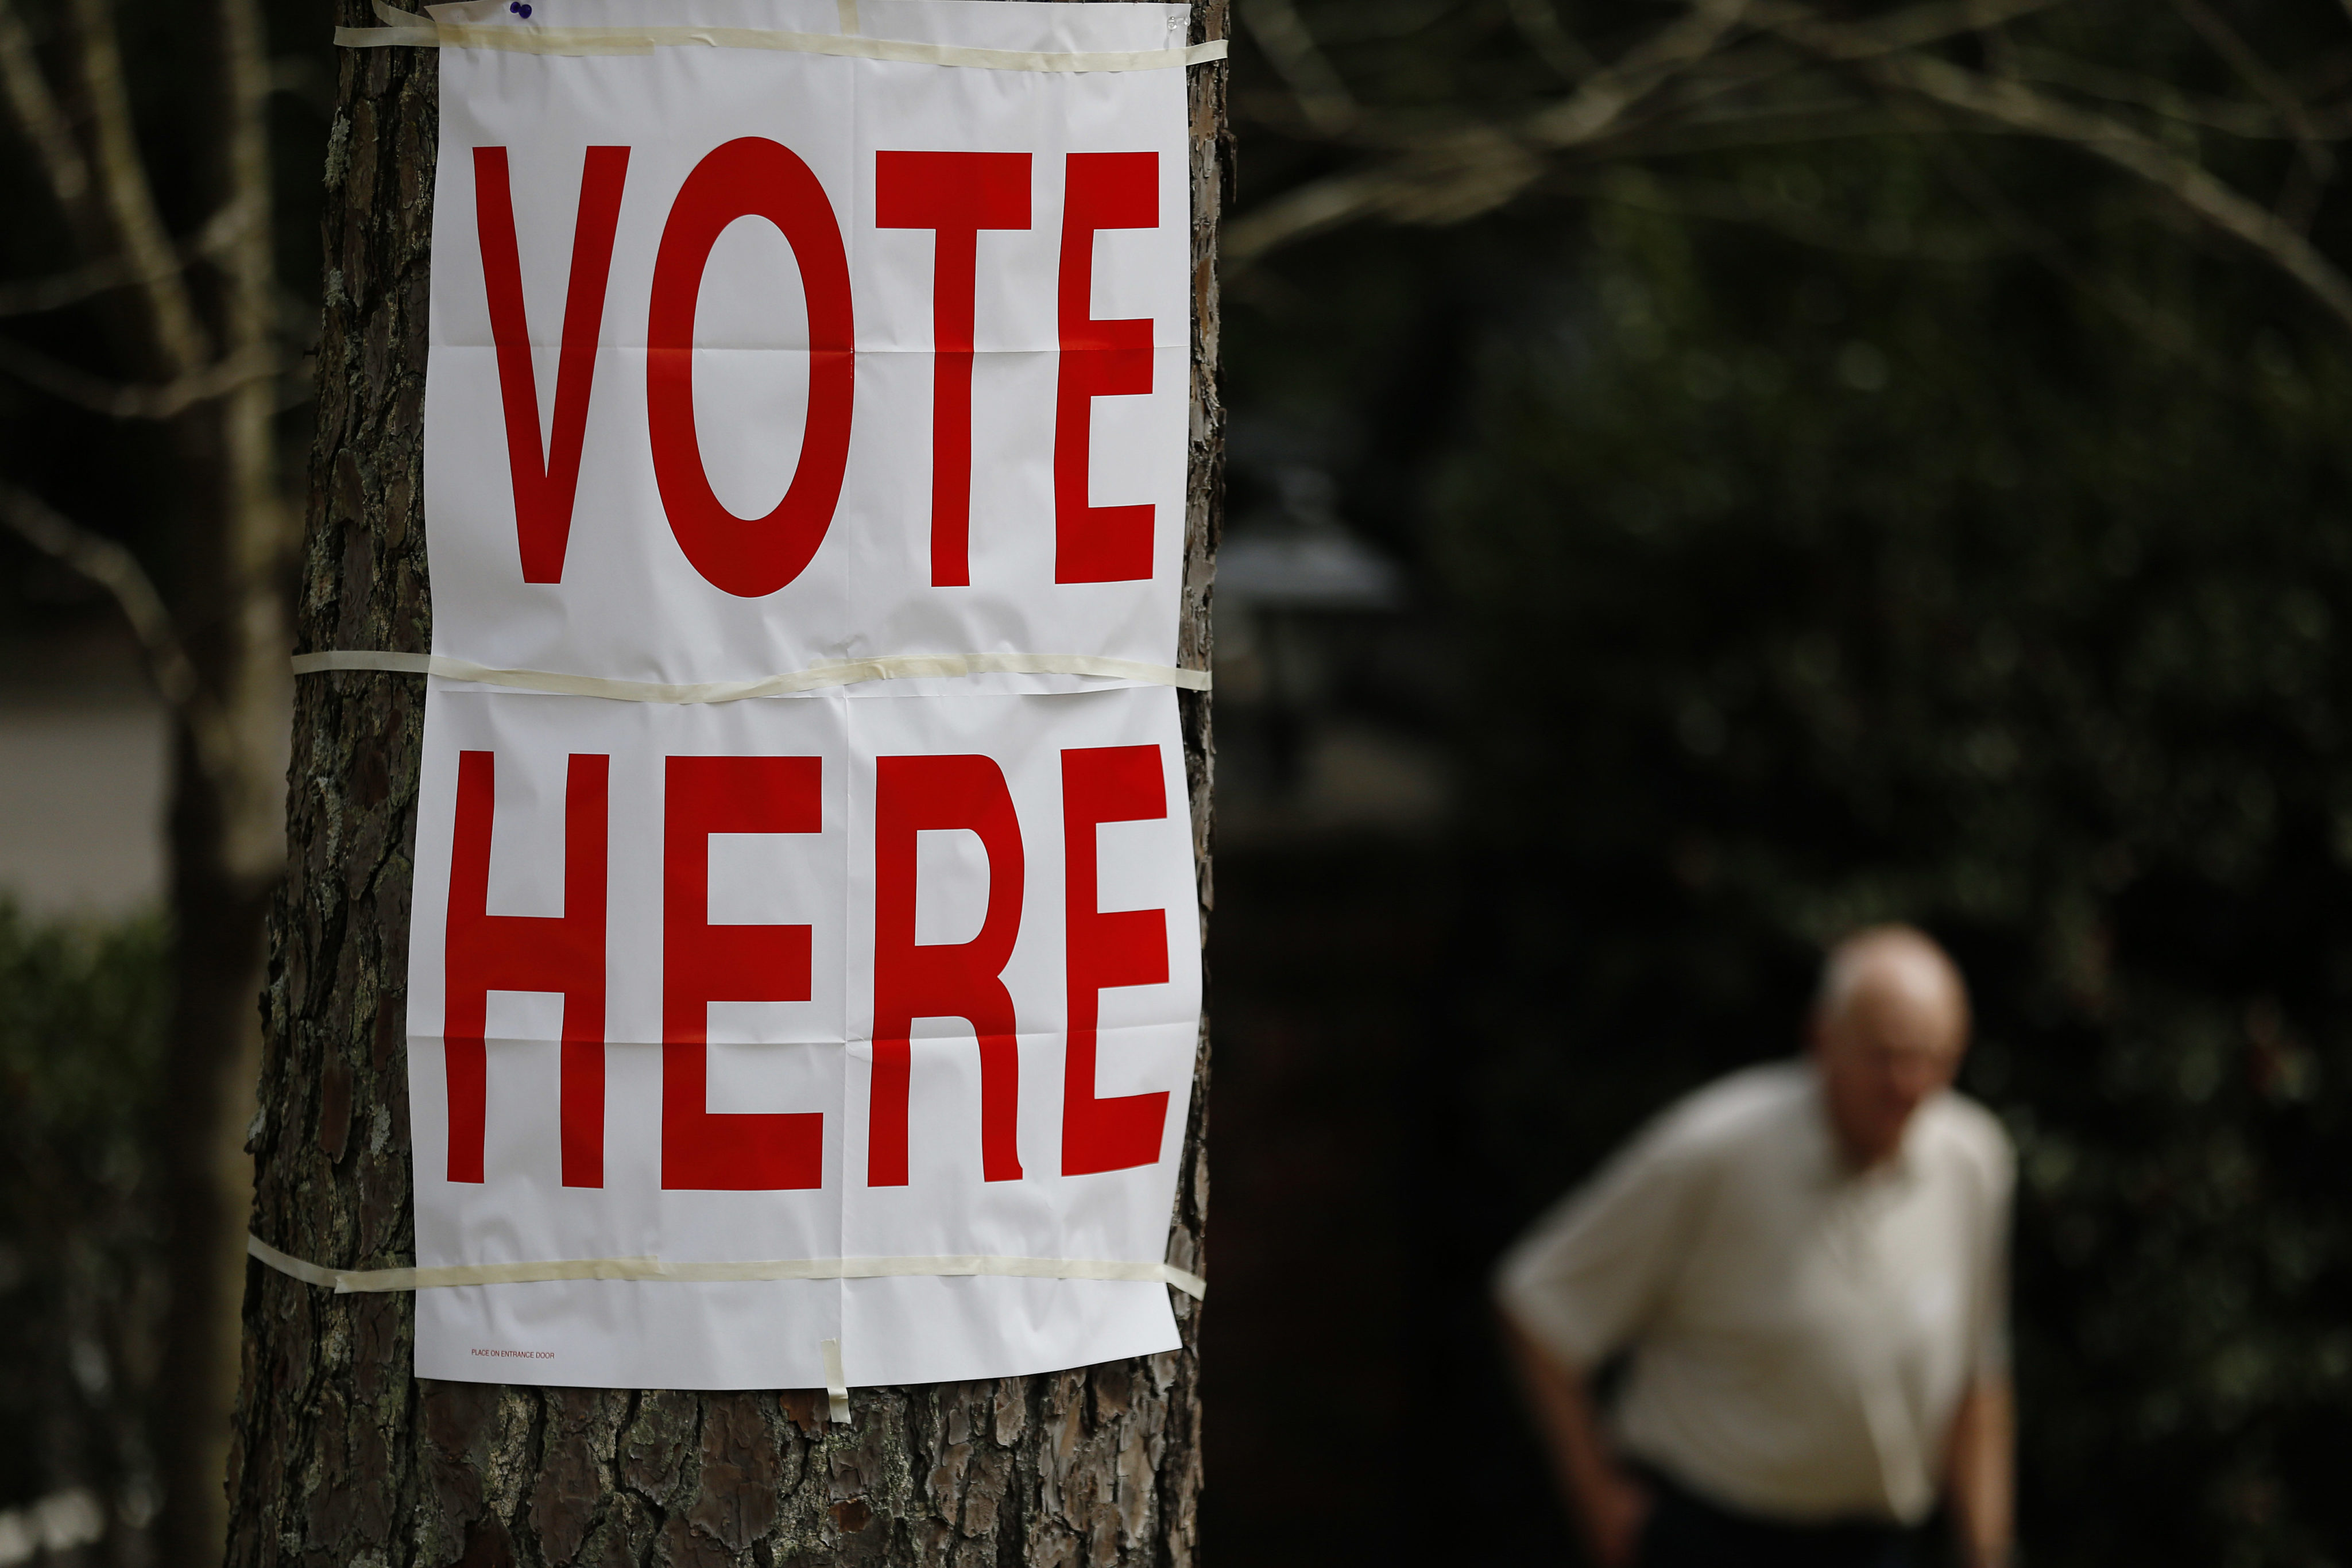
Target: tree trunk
(341, 1456)
(226, 822)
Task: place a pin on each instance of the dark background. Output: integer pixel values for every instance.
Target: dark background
(1791, 538)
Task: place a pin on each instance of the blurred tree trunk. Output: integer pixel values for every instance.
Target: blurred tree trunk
(226, 835)
(190, 321)
(341, 1455)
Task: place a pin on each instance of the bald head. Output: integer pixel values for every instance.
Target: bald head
(1888, 1028)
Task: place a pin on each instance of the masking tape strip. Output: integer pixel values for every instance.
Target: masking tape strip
(836, 1382)
(287, 1263)
(346, 1281)
(425, 32)
(819, 677)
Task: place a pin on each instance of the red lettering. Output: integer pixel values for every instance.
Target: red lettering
(544, 487)
(957, 194)
(959, 979)
(749, 177)
(702, 963)
(1106, 948)
(486, 953)
(1099, 358)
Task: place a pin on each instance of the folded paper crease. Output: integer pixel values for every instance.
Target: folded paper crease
(817, 678)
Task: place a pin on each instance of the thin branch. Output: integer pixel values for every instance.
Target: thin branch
(34, 108)
(1724, 88)
(1759, 61)
(1323, 98)
(126, 198)
(118, 400)
(1776, 126)
(2015, 106)
(2299, 198)
(2000, 48)
(2246, 121)
(32, 296)
(2250, 67)
(1913, 28)
(1444, 177)
(1554, 45)
(1302, 211)
(1723, 203)
(1386, 22)
(1457, 174)
(1608, 94)
(114, 568)
(258, 525)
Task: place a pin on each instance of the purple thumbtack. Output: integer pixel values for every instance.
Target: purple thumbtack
(519, 8)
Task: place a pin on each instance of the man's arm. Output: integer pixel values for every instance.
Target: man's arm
(1609, 1504)
(1983, 1473)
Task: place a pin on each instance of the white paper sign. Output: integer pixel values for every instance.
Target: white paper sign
(865, 1016)
(782, 502)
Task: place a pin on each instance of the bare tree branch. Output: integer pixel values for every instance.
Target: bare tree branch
(1447, 176)
(109, 565)
(1308, 209)
(122, 194)
(1541, 25)
(1775, 125)
(118, 400)
(31, 295)
(2245, 121)
(2015, 106)
(262, 529)
(1460, 173)
(2299, 198)
(1722, 202)
(1759, 61)
(1323, 98)
(35, 110)
(1912, 28)
(1607, 94)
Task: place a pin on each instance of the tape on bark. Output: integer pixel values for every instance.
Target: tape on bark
(348, 1281)
(837, 1381)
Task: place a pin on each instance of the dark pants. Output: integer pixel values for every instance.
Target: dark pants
(1688, 1531)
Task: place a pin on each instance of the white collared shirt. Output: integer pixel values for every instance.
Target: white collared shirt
(1801, 1334)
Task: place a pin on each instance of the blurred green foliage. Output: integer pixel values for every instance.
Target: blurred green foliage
(1890, 528)
(81, 1023)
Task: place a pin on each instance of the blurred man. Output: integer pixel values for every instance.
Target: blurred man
(1805, 1264)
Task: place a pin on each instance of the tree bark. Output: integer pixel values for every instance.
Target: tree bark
(341, 1456)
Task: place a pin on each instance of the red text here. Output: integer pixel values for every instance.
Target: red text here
(1106, 948)
(702, 963)
(962, 979)
(561, 953)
